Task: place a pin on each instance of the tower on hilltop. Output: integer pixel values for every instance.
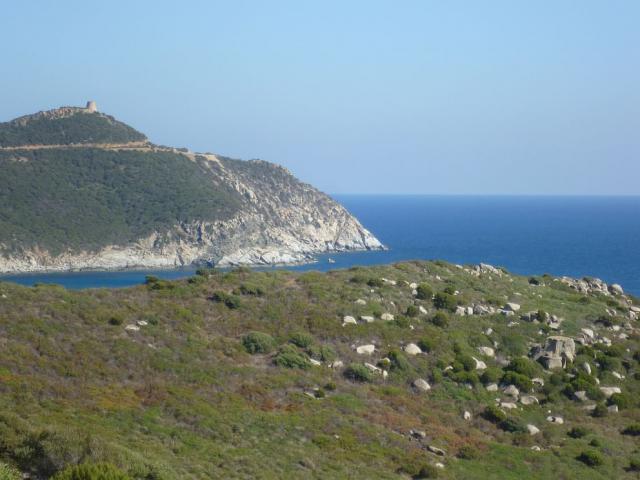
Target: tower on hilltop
(91, 106)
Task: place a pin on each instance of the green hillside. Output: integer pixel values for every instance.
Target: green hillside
(233, 375)
(78, 128)
(86, 198)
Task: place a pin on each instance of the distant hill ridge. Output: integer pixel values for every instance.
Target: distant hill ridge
(66, 126)
(82, 190)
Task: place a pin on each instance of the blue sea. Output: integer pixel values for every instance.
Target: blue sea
(575, 236)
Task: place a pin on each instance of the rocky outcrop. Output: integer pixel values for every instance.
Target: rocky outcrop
(556, 353)
(281, 221)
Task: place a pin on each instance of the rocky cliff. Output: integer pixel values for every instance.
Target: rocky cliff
(261, 215)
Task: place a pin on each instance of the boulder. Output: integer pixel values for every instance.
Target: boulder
(508, 405)
(412, 349)
(315, 362)
(492, 387)
(460, 310)
(466, 415)
(528, 400)
(581, 396)
(349, 320)
(421, 385)
(132, 328)
(438, 451)
(616, 289)
(587, 367)
(556, 353)
(512, 391)
(511, 307)
(366, 349)
(360, 301)
(387, 317)
(480, 365)
(538, 381)
(608, 391)
(554, 419)
(422, 310)
(418, 433)
(336, 364)
(487, 351)
(532, 429)
(367, 318)
(612, 408)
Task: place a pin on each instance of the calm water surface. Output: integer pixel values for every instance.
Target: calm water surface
(575, 236)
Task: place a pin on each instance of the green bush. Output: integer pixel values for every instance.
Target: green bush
(465, 361)
(591, 458)
(412, 311)
(600, 410)
(249, 289)
(399, 361)
(258, 342)
(375, 282)
(512, 425)
(88, 471)
(622, 400)
(301, 339)
(440, 319)
(445, 301)
(289, 357)
(524, 366)
(230, 301)
(427, 344)
(634, 465)
(494, 414)
(358, 373)
(427, 471)
(9, 473)
(424, 291)
(633, 430)
(467, 452)
(578, 432)
(519, 380)
(491, 375)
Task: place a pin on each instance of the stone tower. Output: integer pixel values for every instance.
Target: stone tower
(91, 106)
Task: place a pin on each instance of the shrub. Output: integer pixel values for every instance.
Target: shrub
(519, 380)
(634, 465)
(88, 471)
(512, 425)
(424, 291)
(491, 375)
(290, 357)
(248, 289)
(600, 410)
(591, 458)
(524, 366)
(301, 339)
(427, 471)
(258, 342)
(327, 353)
(494, 414)
(622, 400)
(398, 361)
(449, 290)
(633, 430)
(534, 281)
(9, 473)
(578, 432)
(375, 282)
(427, 344)
(445, 301)
(115, 320)
(467, 362)
(440, 319)
(230, 301)
(467, 452)
(358, 373)
(412, 311)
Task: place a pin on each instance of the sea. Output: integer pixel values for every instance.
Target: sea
(575, 236)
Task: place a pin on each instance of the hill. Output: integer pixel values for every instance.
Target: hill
(413, 370)
(79, 190)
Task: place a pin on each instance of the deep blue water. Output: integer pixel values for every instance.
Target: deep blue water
(575, 236)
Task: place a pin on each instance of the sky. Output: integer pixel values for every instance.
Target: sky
(372, 96)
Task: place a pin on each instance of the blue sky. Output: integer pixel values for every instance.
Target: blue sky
(460, 97)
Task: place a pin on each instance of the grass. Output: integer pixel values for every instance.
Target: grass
(198, 392)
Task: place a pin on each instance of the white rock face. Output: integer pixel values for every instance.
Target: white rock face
(279, 221)
(349, 320)
(487, 351)
(366, 349)
(422, 385)
(412, 349)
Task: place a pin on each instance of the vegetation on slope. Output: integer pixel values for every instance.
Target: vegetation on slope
(85, 199)
(237, 375)
(78, 128)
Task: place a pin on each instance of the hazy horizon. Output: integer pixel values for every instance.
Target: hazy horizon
(359, 98)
